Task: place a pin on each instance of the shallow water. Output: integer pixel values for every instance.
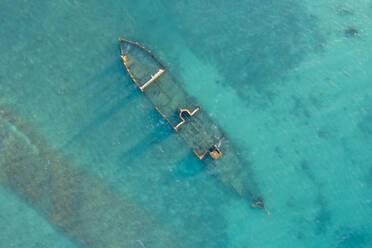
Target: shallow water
(288, 82)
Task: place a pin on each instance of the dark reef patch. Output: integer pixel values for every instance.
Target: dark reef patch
(352, 32)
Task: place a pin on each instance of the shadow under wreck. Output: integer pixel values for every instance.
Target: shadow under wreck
(186, 117)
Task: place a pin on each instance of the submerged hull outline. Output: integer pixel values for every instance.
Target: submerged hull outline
(182, 113)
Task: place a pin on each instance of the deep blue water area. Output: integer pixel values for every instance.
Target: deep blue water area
(86, 160)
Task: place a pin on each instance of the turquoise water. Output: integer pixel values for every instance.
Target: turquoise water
(288, 82)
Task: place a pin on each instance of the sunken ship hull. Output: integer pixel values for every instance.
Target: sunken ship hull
(185, 116)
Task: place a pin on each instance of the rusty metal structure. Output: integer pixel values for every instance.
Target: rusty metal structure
(185, 116)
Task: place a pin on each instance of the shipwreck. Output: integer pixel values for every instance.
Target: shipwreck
(186, 117)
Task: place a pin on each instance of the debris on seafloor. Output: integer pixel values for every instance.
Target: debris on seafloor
(351, 32)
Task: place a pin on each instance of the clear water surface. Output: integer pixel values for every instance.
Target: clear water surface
(86, 161)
